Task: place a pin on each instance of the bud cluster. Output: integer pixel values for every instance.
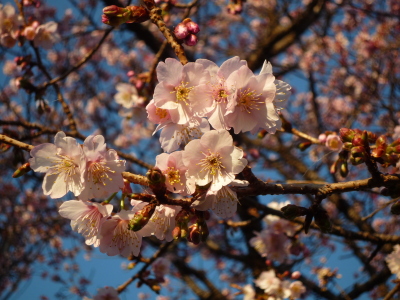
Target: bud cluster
(186, 31)
(365, 144)
(115, 16)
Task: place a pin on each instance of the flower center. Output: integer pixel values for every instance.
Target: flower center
(97, 173)
(212, 163)
(248, 100)
(173, 175)
(162, 113)
(64, 165)
(182, 92)
(122, 236)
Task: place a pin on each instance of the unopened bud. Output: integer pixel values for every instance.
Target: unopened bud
(346, 134)
(378, 151)
(291, 211)
(357, 140)
(192, 27)
(181, 31)
(303, 146)
(191, 40)
(142, 217)
(358, 152)
(176, 232)
(194, 234)
(22, 170)
(395, 209)
(344, 169)
(381, 141)
(261, 134)
(296, 275)
(355, 161)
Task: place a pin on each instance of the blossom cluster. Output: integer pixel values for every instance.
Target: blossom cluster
(187, 100)
(274, 241)
(229, 96)
(12, 29)
(277, 288)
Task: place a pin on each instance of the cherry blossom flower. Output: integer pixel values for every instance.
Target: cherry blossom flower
(213, 158)
(222, 202)
(86, 218)
(46, 35)
(268, 282)
(253, 107)
(128, 95)
(161, 223)
(116, 238)
(174, 90)
(171, 165)
(334, 143)
(157, 115)
(173, 135)
(9, 25)
(212, 98)
(106, 293)
(103, 174)
(161, 267)
(271, 244)
(64, 165)
(296, 289)
(248, 292)
(393, 261)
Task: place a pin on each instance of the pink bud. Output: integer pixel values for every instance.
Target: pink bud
(130, 73)
(192, 27)
(181, 31)
(191, 40)
(296, 275)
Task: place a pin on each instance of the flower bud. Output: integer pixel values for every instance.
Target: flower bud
(355, 161)
(291, 211)
(395, 209)
(296, 275)
(261, 134)
(357, 140)
(194, 234)
(303, 146)
(358, 151)
(176, 232)
(142, 217)
(181, 31)
(344, 169)
(191, 40)
(22, 170)
(192, 27)
(381, 141)
(346, 134)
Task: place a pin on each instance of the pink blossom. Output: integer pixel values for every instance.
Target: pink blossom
(393, 261)
(253, 107)
(173, 135)
(64, 165)
(128, 95)
(171, 165)
(334, 143)
(271, 244)
(213, 158)
(248, 292)
(46, 35)
(103, 174)
(161, 223)
(86, 218)
(116, 238)
(106, 293)
(161, 267)
(268, 282)
(157, 115)
(9, 25)
(212, 98)
(174, 90)
(296, 289)
(222, 202)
